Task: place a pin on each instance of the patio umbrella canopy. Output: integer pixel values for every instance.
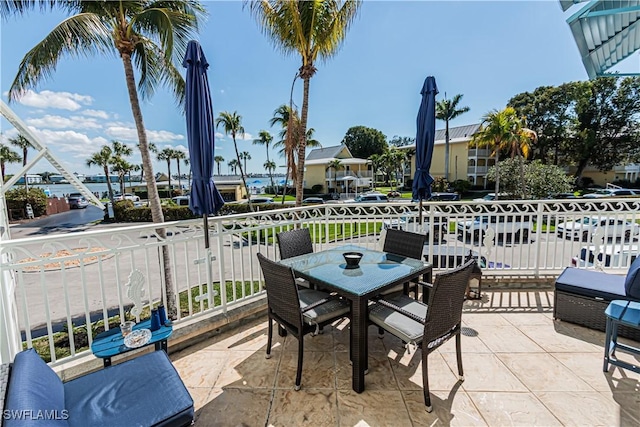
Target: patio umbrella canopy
(425, 137)
(204, 199)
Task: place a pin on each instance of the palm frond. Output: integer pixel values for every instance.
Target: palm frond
(84, 34)
(156, 69)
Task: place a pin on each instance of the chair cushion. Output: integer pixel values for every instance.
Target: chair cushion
(34, 387)
(590, 283)
(145, 391)
(408, 330)
(332, 309)
(632, 282)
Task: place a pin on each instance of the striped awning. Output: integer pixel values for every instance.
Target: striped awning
(606, 32)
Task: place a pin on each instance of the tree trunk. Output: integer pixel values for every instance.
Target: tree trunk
(302, 145)
(179, 177)
(109, 188)
(273, 186)
(446, 151)
(152, 190)
(522, 183)
(169, 176)
(121, 179)
(497, 171)
(244, 182)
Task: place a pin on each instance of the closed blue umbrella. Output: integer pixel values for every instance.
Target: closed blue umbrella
(425, 138)
(205, 199)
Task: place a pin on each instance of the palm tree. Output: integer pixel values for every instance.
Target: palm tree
(103, 158)
(153, 35)
(232, 124)
(233, 164)
(179, 155)
(336, 165)
(265, 139)
(7, 155)
(24, 144)
(167, 155)
(121, 167)
(218, 160)
(376, 164)
(500, 131)
(447, 110)
(270, 166)
(245, 156)
(312, 29)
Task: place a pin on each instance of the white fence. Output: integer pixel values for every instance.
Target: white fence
(68, 281)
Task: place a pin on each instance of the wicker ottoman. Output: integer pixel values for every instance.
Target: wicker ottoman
(582, 296)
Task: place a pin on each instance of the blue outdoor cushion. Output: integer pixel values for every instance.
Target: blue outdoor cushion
(145, 391)
(35, 395)
(632, 283)
(590, 283)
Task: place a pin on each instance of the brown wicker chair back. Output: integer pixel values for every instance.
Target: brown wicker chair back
(404, 243)
(282, 293)
(294, 242)
(445, 305)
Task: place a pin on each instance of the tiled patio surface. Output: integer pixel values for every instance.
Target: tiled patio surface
(521, 368)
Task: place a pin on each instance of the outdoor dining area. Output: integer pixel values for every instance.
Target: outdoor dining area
(354, 344)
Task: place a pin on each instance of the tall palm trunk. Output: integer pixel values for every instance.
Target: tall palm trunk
(169, 172)
(24, 163)
(106, 175)
(179, 177)
(303, 140)
(446, 151)
(273, 186)
(154, 199)
(497, 172)
(244, 181)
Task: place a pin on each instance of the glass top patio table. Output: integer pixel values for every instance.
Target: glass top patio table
(376, 272)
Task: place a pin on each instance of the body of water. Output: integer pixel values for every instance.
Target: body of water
(256, 186)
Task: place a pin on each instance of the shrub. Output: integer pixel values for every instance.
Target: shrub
(19, 197)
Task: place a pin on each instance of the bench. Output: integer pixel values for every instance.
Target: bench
(145, 391)
(582, 296)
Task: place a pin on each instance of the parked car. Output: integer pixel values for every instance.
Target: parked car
(584, 229)
(452, 256)
(519, 227)
(371, 198)
(258, 200)
(181, 200)
(611, 192)
(444, 196)
(492, 196)
(127, 196)
(407, 223)
(313, 201)
(611, 256)
(77, 201)
(394, 194)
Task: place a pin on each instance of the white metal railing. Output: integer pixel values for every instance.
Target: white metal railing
(63, 281)
(477, 169)
(479, 152)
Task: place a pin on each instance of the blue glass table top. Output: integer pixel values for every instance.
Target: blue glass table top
(375, 271)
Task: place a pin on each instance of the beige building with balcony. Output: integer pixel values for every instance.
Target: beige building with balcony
(352, 176)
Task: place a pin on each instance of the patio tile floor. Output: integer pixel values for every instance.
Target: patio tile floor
(521, 368)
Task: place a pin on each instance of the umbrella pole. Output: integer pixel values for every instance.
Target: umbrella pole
(420, 211)
(207, 254)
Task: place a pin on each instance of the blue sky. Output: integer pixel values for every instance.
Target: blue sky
(487, 51)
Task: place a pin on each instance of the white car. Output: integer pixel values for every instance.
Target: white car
(257, 200)
(519, 227)
(492, 196)
(584, 229)
(128, 196)
(612, 192)
(371, 198)
(409, 223)
(614, 256)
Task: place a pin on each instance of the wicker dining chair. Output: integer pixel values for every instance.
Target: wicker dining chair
(298, 311)
(404, 244)
(293, 243)
(429, 325)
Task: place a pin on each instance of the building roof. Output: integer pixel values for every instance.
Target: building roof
(458, 132)
(606, 32)
(326, 152)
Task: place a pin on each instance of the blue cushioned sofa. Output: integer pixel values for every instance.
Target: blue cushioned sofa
(145, 391)
(581, 296)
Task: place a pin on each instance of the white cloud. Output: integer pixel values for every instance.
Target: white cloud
(70, 142)
(219, 135)
(128, 133)
(246, 137)
(59, 122)
(100, 114)
(60, 100)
